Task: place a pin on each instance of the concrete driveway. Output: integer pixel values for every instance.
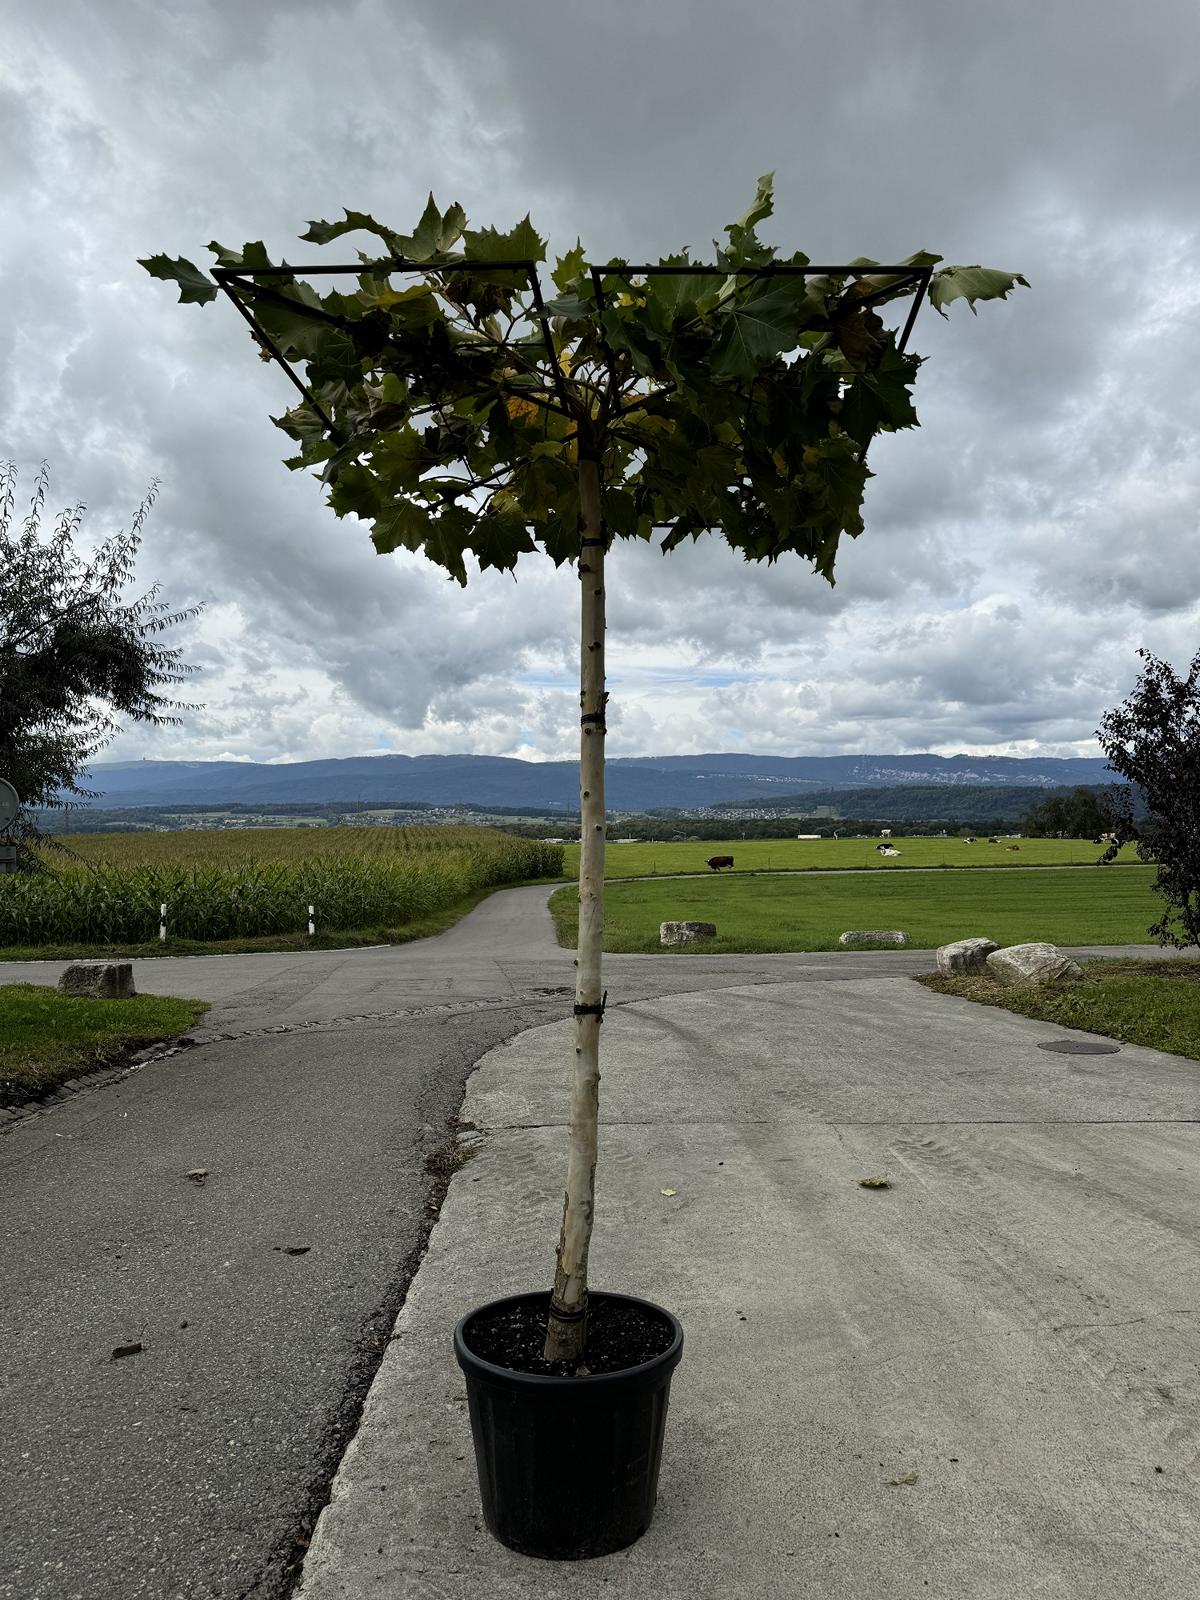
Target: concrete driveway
(981, 1381)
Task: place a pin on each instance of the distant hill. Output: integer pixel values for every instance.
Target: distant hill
(633, 784)
(918, 802)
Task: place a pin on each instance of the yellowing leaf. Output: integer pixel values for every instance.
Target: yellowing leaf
(666, 1191)
(905, 1477)
(878, 1180)
(521, 410)
(396, 297)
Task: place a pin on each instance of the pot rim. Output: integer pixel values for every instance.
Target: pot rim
(480, 1367)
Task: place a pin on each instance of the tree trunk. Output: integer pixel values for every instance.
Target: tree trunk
(566, 1331)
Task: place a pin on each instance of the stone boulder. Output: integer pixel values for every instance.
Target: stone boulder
(685, 932)
(1038, 963)
(965, 957)
(874, 936)
(109, 980)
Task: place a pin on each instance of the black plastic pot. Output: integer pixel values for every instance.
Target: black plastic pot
(568, 1467)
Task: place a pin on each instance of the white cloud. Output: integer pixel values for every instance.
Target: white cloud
(1041, 525)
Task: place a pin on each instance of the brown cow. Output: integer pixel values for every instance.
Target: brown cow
(717, 862)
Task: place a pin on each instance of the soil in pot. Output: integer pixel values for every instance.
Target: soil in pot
(619, 1336)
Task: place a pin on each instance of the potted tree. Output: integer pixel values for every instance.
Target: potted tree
(452, 406)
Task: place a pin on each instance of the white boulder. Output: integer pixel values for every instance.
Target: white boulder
(965, 957)
(1037, 963)
(873, 936)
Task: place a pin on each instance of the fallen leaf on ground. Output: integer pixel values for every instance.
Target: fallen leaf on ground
(666, 1191)
(197, 1175)
(127, 1350)
(905, 1477)
(878, 1180)
(293, 1249)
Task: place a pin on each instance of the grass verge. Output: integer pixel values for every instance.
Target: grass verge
(47, 1037)
(347, 939)
(1154, 1003)
(767, 914)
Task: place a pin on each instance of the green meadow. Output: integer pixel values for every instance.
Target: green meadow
(778, 913)
(830, 855)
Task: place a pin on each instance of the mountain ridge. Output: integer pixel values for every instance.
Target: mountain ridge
(633, 783)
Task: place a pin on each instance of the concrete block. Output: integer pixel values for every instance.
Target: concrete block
(109, 980)
(686, 932)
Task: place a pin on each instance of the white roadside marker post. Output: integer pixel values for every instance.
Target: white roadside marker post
(162, 922)
(312, 926)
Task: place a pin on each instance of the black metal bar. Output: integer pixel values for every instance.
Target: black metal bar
(387, 264)
(265, 338)
(620, 269)
(317, 313)
(773, 269)
(918, 297)
(610, 359)
(535, 289)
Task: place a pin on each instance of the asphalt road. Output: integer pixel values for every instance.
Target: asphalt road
(320, 1085)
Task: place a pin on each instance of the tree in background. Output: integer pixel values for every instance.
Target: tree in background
(75, 653)
(1081, 813)
(455, 410)
(1153, 740)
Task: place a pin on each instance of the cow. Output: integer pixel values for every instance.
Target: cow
(993, 841)
(1012, 846)
(717, 862)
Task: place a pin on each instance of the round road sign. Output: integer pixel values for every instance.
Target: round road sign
(10, 804)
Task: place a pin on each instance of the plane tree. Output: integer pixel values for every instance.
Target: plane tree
(452, 405)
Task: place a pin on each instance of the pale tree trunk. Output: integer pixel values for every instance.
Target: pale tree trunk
(566, 1331)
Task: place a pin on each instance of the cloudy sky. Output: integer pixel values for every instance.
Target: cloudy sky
(1041, 525)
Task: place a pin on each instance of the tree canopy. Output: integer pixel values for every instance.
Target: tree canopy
(1152, 739)
(1079, 813)
(451, 402)
(76, 654)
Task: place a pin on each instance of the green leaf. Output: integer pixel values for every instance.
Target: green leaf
(522, 243)
(253, 254)
(569, 269)
(399, 457)
(758, 210)
(880, 399)
(195, 287)
(744, 248)
(401, 523)
(570, 306)
(435, 234)
(972, 284)
(353, 222)
(498, 538)
(357, 492)
(681, 295)
(756, 330)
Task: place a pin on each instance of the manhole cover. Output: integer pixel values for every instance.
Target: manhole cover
(1079, 1047)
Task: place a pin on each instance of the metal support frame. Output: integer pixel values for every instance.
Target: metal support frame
(239, 281)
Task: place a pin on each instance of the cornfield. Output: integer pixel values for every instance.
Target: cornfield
(255, 882)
